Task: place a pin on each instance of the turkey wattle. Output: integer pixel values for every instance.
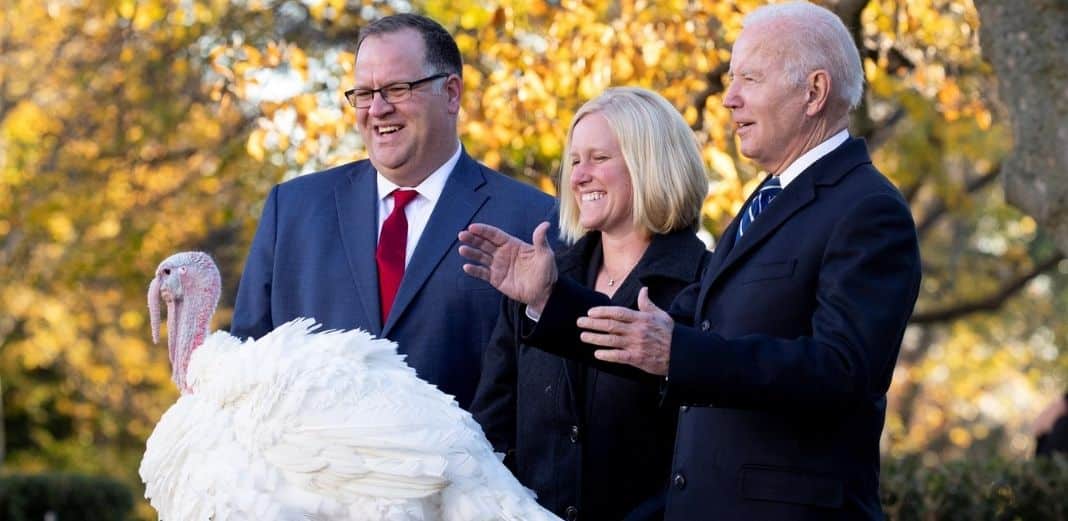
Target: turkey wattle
(305, 424)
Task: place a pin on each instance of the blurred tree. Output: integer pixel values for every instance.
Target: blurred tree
(1026, 47)
(117, 147)
(132, 129)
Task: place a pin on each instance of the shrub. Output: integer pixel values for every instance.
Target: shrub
(28, 497)
(976, 490)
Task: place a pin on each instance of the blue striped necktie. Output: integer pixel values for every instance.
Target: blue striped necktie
(759, 204)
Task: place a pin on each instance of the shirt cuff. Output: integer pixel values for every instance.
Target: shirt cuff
(531, 314)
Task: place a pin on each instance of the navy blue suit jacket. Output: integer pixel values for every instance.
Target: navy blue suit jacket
(782, 355)
(314, 256)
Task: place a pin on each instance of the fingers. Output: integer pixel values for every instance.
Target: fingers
(618, 313)
(484, 236)
(635, 359)
(616, 342)
(540, 238)
(477, 241)
(615, 355)
(601, 325)
(488, 231)
(476, 271)
(476, 255)
(645, 303)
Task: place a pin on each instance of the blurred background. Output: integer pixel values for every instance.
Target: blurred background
(130, 130)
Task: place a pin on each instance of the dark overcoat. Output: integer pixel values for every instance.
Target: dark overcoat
(782, 355)
(590, 438)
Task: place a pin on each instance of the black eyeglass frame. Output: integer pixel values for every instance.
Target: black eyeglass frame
(401, 91)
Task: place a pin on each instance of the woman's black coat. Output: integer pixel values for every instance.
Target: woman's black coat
(589, 437)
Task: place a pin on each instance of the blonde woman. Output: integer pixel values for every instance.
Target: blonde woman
(588, 437)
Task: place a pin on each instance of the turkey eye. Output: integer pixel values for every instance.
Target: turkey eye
(166, 271)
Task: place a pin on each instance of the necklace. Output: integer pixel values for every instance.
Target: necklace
(612, 280)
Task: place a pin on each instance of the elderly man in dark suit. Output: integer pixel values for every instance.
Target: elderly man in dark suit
(782, 355)
(372, 244)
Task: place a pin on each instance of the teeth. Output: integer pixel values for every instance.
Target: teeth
(592, 196)
(388, 129)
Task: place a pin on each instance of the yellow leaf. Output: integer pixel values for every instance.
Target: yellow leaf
(254, 146)
(722, 164)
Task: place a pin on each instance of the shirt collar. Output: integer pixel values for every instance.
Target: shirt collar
(430, 188)
(800, 164)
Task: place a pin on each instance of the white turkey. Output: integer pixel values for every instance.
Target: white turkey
(301, 424)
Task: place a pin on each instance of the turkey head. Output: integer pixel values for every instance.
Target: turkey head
(189, 283)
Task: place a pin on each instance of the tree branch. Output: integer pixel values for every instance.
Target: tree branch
(990, 302)
(715, 86)
(939, 208)
(881, 131)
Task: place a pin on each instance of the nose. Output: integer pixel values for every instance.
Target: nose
(731, 99)
(379, 105)
(580, 173)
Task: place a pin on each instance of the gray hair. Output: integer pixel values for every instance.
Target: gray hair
(815, 38)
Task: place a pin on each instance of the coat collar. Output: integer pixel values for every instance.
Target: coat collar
(677, 255)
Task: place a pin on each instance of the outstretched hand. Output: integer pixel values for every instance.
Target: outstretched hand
(641, 338)
(522, 272)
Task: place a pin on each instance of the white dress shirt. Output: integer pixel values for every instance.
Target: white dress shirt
(800, 164)
(418, 211)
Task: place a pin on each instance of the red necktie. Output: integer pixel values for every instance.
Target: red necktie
(390, 254)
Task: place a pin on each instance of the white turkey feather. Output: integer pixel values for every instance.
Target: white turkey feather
(330, 425)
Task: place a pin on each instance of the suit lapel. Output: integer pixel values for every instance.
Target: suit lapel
(801, 192)
(357, 209)
(792, 199)
(454, 210)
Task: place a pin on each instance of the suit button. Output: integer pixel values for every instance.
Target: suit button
(574, 434)
(705, 325)
(679, 480)
(571, 513)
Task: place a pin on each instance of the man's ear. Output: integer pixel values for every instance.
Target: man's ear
(817, 91)
(454, 87)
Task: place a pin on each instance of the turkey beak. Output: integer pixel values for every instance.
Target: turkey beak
(171, 291)
(168, 286)
(153, 308)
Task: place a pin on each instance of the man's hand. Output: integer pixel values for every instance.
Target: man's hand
(639, 338)
(1049, 416)
(522, 272)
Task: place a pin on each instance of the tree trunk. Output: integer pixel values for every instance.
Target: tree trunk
(1025, 42)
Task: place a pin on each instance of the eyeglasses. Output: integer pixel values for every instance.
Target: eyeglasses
(392, 93)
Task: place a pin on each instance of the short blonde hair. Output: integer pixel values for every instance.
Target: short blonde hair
(667, 176)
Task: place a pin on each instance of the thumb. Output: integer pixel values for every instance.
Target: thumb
(645, 304)
(541, 237)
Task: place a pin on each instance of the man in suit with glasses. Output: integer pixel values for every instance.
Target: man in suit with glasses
(372, 244)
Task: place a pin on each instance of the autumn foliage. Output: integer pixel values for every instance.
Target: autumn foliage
(133, 129)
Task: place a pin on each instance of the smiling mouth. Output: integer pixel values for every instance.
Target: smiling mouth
(385, 130)
(740, 126)
(592, 196)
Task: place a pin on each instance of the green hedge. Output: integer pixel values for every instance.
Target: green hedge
(27, 497)
(976, 490)
(963, 490)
